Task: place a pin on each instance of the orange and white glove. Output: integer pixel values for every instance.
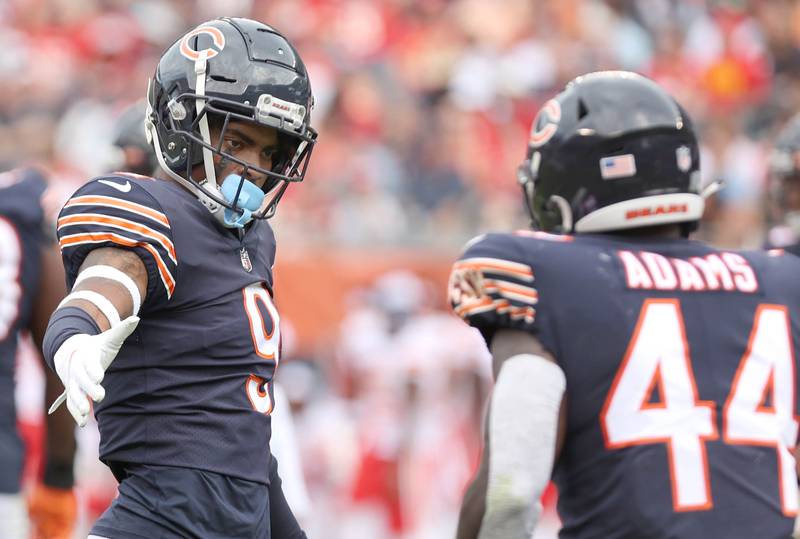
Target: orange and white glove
(53, 512)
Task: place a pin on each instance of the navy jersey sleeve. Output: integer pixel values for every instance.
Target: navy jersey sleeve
(492, 286)
(102, 215)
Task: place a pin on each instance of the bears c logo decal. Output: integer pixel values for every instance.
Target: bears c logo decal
(216, 35)
(547, 122)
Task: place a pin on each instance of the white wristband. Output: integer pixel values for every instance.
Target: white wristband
(99, 301)
(113, 274)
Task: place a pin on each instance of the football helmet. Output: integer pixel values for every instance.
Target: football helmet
(612, 151)
(784, 177)
(225, 70)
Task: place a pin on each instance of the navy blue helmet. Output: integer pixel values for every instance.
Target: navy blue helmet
(230, 69)
(612, 151)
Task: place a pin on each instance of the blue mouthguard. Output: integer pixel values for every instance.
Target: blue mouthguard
(250, 198)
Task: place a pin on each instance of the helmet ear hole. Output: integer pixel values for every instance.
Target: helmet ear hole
(583, 110)
(174, 147)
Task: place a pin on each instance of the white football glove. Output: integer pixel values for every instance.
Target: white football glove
(81, 363)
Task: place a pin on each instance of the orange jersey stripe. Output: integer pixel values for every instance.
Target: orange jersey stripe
(98, 200)
(78, 239)
(514, 296)
(486, 304)
(529, 313)
(125, 224)
(465, 308)
(502, 306)
(497, 265)
(494, 285)
(515, 312)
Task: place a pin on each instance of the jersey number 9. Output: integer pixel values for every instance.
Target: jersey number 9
(264, 328)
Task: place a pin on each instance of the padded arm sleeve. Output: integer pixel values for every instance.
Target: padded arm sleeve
(523, 427)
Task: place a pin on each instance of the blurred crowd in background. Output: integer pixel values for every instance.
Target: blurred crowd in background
(423, 106)
(423, 109)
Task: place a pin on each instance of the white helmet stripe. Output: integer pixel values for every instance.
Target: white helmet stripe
(200, 90)
(644, 211)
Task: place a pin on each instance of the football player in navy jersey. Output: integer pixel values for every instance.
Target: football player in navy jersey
(170, 328)
(31, 285)
(784, 189)
(651, 376)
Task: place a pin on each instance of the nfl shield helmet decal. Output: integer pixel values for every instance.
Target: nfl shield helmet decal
(683, 155)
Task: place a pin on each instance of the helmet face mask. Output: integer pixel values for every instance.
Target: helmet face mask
(247, 74)
(612, 151)
(290, 165)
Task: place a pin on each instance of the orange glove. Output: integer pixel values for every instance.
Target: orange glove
(53, 512)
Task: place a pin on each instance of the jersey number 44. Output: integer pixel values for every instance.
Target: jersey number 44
(658, 359)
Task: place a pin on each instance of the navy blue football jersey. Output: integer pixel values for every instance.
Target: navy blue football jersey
(191, 386)
(22, 236)
(681, 376)
(793, 249)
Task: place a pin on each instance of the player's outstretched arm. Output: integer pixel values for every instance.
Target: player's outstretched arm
(87, 330)
(525, 430)
(52, 506)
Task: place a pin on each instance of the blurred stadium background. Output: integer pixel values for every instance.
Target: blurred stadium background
(423, 109)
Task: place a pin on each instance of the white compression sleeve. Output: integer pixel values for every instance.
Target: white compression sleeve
(98, 300)
(523, 425)
(113, 274)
